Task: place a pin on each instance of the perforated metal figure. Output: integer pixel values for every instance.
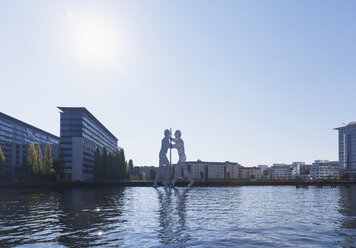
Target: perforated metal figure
(179, 145)
(163, 160)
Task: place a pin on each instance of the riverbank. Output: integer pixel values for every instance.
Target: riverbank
(178, 184)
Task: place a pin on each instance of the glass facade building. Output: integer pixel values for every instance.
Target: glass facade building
(15, 137)
(347, 149)
(81, 133)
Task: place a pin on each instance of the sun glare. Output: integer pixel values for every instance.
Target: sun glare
(93, 37)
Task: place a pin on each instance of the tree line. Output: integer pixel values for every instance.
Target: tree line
(107, 165)
(112, 165)
(36, 166)
(41, 168)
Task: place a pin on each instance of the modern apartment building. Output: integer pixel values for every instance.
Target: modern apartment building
(347, 149)
(81, 134)
(324, 169)
(15, 137)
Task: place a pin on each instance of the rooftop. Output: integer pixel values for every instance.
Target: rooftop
(24, 124)
(351, 124)
(204, 162)
(85, 111)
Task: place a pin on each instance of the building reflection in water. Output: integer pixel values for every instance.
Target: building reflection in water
(30, 214)
(87, 214)
(172, 216)
(347, 209)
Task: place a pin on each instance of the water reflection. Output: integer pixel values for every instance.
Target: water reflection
(347, 203)
(29, 214)
(172, 216)
(146, 217)
(87, 214)
(347, 209)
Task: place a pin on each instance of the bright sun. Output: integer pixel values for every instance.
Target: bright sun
(93, 37)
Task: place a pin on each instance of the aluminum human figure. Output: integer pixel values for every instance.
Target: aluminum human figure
(163, 160)
(179, 145)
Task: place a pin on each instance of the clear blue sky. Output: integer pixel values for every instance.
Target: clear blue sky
(256, 82)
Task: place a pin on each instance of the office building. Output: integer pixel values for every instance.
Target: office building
(81, 134)
(347, 149)
(15, 137)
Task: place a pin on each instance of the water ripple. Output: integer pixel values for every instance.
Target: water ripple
(201, 217)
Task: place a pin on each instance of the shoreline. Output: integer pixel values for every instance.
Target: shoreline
(178, 184)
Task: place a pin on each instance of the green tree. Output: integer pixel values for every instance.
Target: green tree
(111, 165)
(32, 159)
(122, 164)
(104, 164)
(116, 165)
(48, 161)
(39, 160)
(344, 176)
(97, 163)
(58, 166)
(152, 174)
(2, 163)
(127, 170)
(131, 165)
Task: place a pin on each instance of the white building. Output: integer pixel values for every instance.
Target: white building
(216, 171)
(232, 170)
(296, 169)
(324, 169)
(281, 171)
(263, 168)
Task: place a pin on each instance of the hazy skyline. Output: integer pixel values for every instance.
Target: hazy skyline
(256, 82)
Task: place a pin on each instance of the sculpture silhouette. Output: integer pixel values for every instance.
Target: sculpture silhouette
(163, 160)
(179, 145)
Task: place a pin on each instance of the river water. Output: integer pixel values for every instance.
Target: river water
(249, 216)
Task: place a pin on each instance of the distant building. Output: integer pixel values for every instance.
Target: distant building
(81, 134)
(15, 137)
(243, 173)
(250, 173)
(144, 171)
(216, 171)
(347, 149)
(281, 171)
(198, 170)
(232, 171)
(296, 169)
(324, 169)
(264, 168)
(136, 170)
(304, 171)
(202, 171)
(267, 173)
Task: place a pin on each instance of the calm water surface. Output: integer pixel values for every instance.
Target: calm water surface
(249, 216)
